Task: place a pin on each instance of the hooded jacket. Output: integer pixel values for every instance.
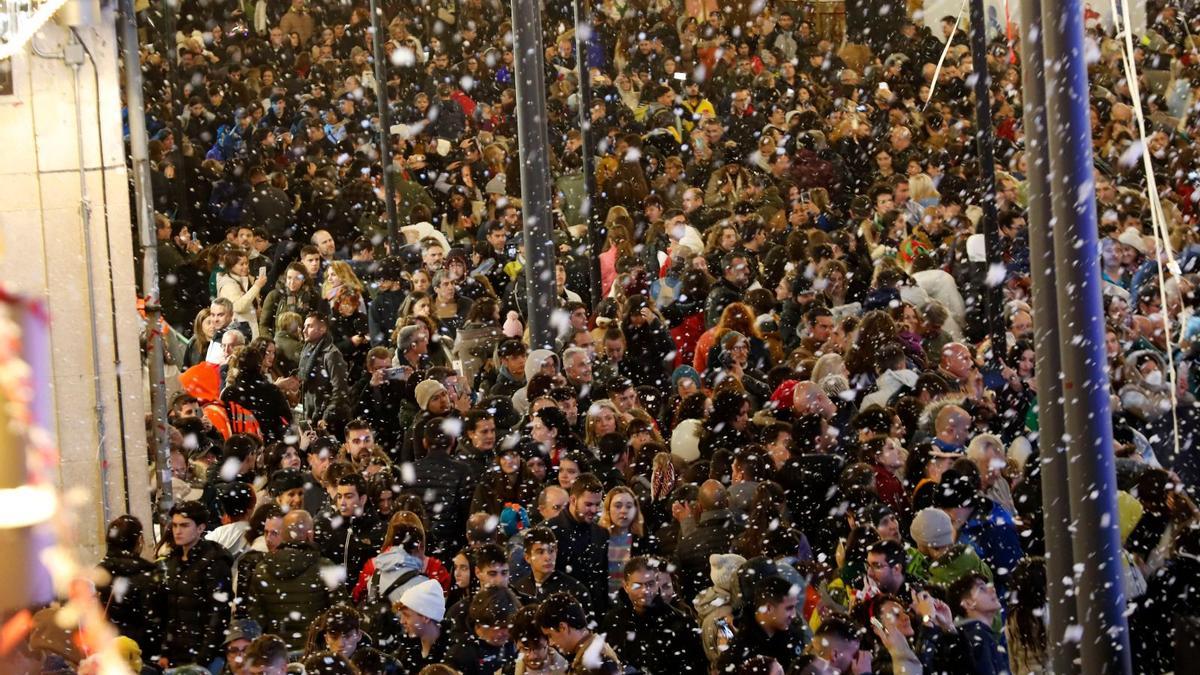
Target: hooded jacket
(887, 385)
(533, 365)
(288, 591)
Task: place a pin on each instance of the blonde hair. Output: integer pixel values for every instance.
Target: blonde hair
(637, 527)
(921, 187)
(345, 278)
(590, 436)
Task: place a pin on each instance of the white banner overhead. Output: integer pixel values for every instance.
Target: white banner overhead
(994, 10)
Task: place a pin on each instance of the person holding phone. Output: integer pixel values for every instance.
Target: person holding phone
(235, 284)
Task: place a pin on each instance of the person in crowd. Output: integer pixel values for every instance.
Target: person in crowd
(288, 588)
(197, 580)
(789, 295)
(646, 632)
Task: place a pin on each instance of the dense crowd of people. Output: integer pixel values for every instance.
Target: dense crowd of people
(782, 440)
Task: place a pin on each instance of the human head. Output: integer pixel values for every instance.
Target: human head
(885, 565)
(585, 498)
(775, 601)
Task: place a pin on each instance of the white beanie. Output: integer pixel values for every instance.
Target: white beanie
(685, 440)
(426, 599)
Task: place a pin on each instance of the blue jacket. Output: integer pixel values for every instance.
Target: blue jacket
(993, 534)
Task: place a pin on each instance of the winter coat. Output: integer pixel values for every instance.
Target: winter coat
(530, 592)
(381, 316)
(288, 591)
(392, 563)
(323, 382)
(659, 640)
(649, 354)
(810, 485)
(279, 300)
(714, 534)
(1161, 617)
(270, 407)
(986, 649)
(444, 485)
(350, 542)
(195, 616)
(955, 564)
(474, 346)
(994, 537)
(242, 292)
(722, 294)
(136, 612)
(380, 407)
(751, 641)
(270, 208)
(494, 490)
(470, 655)
(583, 554)
(408, 653)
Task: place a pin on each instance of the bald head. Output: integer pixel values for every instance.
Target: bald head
(298, 526)
(952, 425)
(713, 496)
(956, 360)
(809, 398)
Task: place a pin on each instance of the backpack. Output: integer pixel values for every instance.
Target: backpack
(382, 623)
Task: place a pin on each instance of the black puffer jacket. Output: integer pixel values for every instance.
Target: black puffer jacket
(445, 486)
(288, 592)
(138, 610)
(659, 640)
(583, 554)
(197, 592)
(350, 542)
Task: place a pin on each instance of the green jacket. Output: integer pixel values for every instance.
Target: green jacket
(960, 560)
(287, 591)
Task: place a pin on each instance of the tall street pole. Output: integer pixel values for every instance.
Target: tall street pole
(583, 32)
(1100, 597)
(378, 38)
(1056, 508)
(987, 176)
(177, 101)
(148, 240)
(534, 146)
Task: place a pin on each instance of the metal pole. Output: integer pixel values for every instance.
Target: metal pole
(1056, 508)
(535, 171)
(378, 37)
(144, 200)
(177, 100)
(1100, 597)
(583, 32)
(991, 297)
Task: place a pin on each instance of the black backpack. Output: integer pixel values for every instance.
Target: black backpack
(382, 624)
